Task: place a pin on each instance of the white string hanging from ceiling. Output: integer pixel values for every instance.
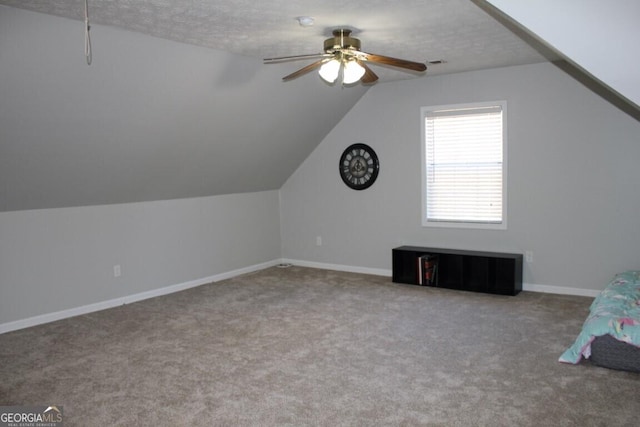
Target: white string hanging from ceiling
(87, 36)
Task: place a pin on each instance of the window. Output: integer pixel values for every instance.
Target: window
(464, 167)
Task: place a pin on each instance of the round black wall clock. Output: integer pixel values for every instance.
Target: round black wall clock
(359, 166)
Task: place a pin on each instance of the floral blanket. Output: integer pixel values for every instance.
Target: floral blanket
(615, 311)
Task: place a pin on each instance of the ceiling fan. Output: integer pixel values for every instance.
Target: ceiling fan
(342, 57)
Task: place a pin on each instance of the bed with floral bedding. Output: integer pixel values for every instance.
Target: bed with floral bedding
(610, 335)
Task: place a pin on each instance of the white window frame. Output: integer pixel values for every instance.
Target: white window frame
(464, 224)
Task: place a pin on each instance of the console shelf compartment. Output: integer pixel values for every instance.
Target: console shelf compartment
(489, 272)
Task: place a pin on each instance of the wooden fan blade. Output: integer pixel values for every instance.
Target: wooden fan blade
(295, 58)
(305, 70)
(395, 62)
(369, 76)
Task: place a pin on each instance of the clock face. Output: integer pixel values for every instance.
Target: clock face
(359, 166)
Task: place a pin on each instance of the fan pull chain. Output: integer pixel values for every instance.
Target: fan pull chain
(87, 36)
(341, 70)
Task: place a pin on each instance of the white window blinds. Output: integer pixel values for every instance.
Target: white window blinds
(464, 164)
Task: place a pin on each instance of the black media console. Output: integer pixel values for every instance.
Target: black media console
(490, 272)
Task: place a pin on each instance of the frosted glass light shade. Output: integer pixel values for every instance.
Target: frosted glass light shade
(330, 70)
(352, 72)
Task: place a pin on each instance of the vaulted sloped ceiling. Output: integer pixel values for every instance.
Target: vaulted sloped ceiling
(150, 119)
(175, 113)
(595, 40)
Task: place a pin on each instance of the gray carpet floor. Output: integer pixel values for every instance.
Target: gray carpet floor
(302, 346)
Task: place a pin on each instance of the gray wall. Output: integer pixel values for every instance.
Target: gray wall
(59, 259)
(572, 180)
(150, 119)
(573, 201)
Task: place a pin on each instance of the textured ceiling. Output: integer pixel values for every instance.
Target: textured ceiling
(456, 31)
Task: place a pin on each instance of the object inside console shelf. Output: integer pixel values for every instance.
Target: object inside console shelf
(427, 269)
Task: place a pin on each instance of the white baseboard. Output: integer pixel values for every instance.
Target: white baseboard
(339, 267)
(562, 290)
(90, 308)
(103, 305)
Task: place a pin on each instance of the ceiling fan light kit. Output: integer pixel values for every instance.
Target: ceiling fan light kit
(330, 70)
(342, 56)
(352, 72)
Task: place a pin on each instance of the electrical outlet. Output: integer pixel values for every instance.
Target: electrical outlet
(318, 240)
(117, 271)
(528, 257)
